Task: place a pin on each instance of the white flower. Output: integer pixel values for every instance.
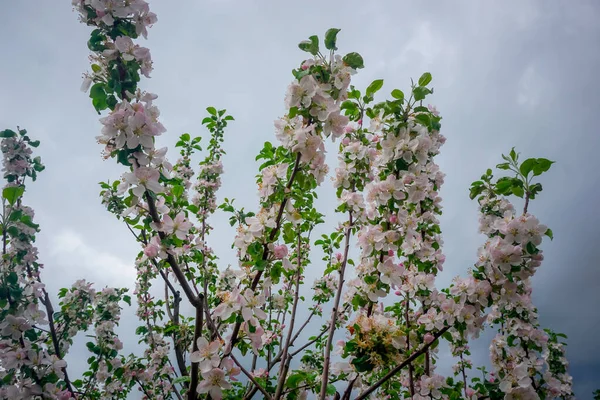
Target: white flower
(213, 382)
(207, 354)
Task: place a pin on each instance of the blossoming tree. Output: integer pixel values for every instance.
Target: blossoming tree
(378, 318)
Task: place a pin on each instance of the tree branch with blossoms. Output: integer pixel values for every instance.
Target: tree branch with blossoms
(386, 316)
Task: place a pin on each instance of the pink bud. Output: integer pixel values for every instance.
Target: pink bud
(428, 338)
(360, 122)
(393, 219)
(398, 293)
(280, 251)
(339, 256)
(470, 392)
(151, 250)
(391, 253)
(375, 139)
(304, 67)
(346, 141)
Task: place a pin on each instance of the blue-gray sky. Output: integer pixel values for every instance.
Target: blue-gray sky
(512, 73)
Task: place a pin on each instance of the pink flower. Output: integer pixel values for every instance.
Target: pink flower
(180, 226)
(213, 382)
(151, 250)
(207, 354)
(145, 178)
(428, 338)
(280, 251)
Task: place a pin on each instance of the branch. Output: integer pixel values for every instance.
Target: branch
(211, 326)
(50, 312)
(194, 373)
(334, 312)
(397, 369)
(256, 280)
(285, 361)
(175, 319)
(195, 300)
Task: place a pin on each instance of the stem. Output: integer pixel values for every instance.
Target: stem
(195, 300)
(257, 385)
(410, 366)
(55, 342)
(462, 364)
(397, 369)
(236, 328)
(334, 312)
(194, 373)
(285, 361)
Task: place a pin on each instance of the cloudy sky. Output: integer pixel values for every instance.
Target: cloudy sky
(512, 73)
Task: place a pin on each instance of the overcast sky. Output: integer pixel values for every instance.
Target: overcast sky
(518, 73)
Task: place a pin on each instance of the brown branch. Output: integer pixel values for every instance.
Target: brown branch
(195, 300)
(410, 366)
(462, 364)
(334, 311)
(55, 342)
(194, 372)
(175, 319)
(285, 361)
(398, 368)
(273, 234)
(210, 324)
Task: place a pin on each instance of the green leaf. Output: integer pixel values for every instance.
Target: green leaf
(295, 379)
(549, 234)
(398, 94)
(123, 157)
(261, 265)
(12, 193)
(503, 166)
(185, 137)
(127, 299)
(354, 60)
(541, 166)
(518, 191)
(330, 389)
(331, 38)
(513, 154)
(311, 45)
(211, 110)
(424, 119)
(97, 90)
(177, 190)
(99, 97)
(504, 185)
(420, 92)
(374, 87)
(7, 133)
(425, 79)
(527, 165)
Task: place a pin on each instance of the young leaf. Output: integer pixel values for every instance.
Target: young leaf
(331, 38)
(7, 133)
(311, 45)
(527, 166)
(354, 60)
(12, 193)
(425, 79)
(398, 94)
(542, 165)
(374, 87)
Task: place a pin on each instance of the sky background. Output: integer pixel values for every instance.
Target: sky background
(512, 73)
